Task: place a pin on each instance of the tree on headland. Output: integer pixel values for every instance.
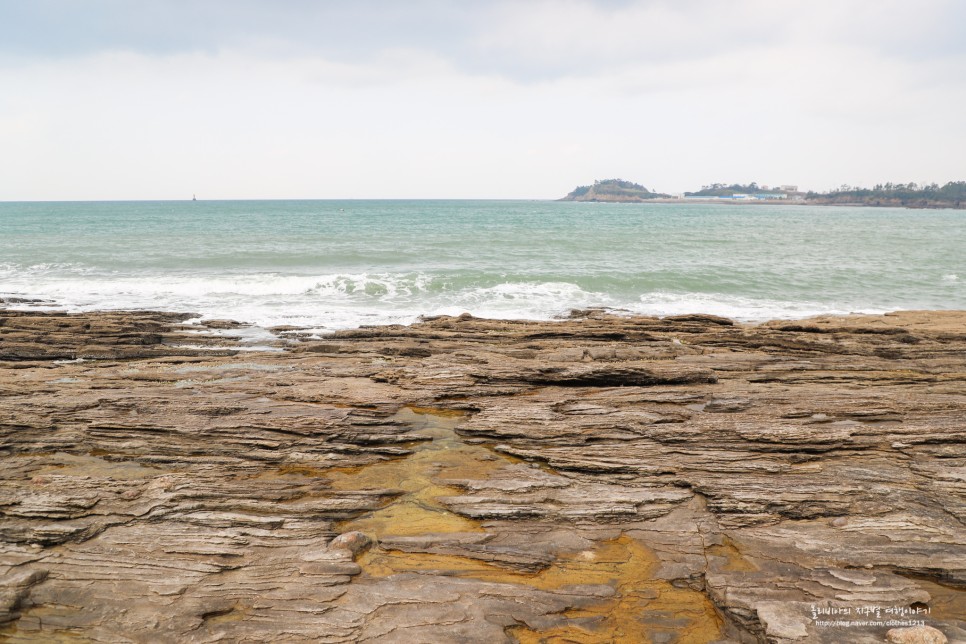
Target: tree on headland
(913, 195)
(725, 190)
(951, 195)
(613, 190)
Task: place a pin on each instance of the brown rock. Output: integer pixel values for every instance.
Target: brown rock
(916, 635)
(517, 479)
(355, 542)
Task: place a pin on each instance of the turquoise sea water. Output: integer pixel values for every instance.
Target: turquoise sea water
(339, 264)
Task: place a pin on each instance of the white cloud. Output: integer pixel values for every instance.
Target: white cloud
(544, 96)
(582, 36)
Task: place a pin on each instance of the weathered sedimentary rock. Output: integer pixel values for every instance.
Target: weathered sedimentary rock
(596, 479)
(916, 635)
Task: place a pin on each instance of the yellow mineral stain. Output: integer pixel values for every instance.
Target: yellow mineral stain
(945, 603)
(38, 624)
(302, 470)
(641, 605)
(229, 616)
(421, 477)
(734, 560)
(378, 562)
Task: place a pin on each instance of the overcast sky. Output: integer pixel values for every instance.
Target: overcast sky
(159, 99)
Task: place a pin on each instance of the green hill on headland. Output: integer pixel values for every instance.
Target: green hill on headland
(901, 195)
(724, 190)
(908, 195)
(616, 190)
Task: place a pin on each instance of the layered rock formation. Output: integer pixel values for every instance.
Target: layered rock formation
(598, 479)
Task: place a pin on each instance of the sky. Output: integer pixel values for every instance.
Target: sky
(521, 99)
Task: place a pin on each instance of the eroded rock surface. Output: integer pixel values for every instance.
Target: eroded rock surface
(598, 479)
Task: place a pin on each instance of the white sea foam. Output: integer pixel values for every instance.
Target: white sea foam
(308, 264)
(333, 301)
(526, 300)
(326, 302)
(344, 300)
(736, 307)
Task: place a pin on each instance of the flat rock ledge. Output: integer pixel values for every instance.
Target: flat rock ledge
(596, 479)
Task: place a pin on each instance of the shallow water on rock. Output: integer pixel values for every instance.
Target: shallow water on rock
(27, 628)
(945, 602)
(419, 476)
(640, 606)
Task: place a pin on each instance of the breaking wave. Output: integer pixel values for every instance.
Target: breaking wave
(348, 300)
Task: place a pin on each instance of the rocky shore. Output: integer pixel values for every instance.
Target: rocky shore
(597, 479)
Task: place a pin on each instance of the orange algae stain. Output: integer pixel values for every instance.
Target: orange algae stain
(641, 605)
(302, 470)
(415, 514)
(734, 560)
(421, 477)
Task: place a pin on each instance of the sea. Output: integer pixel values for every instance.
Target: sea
(328, 265)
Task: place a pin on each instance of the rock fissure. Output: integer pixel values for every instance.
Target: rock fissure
(799, 474)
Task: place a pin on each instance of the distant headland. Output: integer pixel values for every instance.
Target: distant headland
(908, 195)
(616, 190)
